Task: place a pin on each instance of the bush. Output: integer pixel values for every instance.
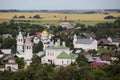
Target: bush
(21, 17)
(110, 17)
(37, 17)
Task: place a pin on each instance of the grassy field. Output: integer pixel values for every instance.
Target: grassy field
(53, 18)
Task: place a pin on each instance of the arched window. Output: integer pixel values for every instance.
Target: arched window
(9, 68)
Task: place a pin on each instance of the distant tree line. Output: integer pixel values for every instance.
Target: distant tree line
(19, 16)
(34, 17)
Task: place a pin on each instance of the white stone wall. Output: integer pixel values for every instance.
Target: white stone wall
(52, 54)
(64, 61)
(93, 45)
(13, 67)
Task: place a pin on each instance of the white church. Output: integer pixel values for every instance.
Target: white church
(58, 55)
(45, 37)
(85, 44)
(24, 48)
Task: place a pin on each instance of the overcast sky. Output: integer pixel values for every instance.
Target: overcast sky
(59, 4)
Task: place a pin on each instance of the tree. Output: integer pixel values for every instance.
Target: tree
(35, 61)
(38, 47)
(20, 62)
(1, 40)
(3, 28)
(117, 22)
(36, 17)
(92, 51)
(15, 16)
(8, 43)
(66, 73)
(21, 16)
(65, 18)
(110, 17)
(13, 48)
(30, 16)
(6, 75)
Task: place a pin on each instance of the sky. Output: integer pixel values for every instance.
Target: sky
(59, 4)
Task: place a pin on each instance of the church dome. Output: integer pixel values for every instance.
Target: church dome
(44, 32)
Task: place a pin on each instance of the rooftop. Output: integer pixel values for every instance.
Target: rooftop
(64, 55)
(58, 47)
(98, 64)
(44, 32)
(84, 41)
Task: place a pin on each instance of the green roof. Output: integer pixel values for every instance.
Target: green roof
(64, 55)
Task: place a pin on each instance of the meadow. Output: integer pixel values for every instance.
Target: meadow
(53, 18)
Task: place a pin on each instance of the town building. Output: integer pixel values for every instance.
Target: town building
(58, 55)
(85, 44)
(45, 37)
(11, 65)
(66, 24)
(24, 48)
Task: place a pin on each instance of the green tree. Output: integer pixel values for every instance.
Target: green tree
(35, 61)
(3, 28)
(37, 16)
(8, 43)
(117, 22)
(109, 17)
(13, 48)
(38, 47)
(20, 62)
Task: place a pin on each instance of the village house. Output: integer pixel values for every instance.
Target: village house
(4, 52)
(105, 42)
(48, 26)
(66, 24)
(102, 58)
(11, 65)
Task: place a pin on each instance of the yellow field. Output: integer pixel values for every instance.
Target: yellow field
(50, 16)
(89, 19)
